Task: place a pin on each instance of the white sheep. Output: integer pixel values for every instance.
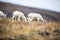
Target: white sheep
(17, 15)
(38, 17)
(2, 15)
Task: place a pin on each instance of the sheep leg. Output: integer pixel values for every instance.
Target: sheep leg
(25, 19)
(30, 20)
(38, 20)
(19, 19)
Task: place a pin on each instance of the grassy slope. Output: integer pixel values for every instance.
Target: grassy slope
(13, 29)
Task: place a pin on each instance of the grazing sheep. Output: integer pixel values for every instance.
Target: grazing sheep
(32, 16)
(2, 15)
(17, 15)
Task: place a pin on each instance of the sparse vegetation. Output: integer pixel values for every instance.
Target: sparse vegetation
(25, 31)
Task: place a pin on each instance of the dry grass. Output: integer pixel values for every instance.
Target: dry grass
(30, 30)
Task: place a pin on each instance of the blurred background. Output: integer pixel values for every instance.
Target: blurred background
(44, 4)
